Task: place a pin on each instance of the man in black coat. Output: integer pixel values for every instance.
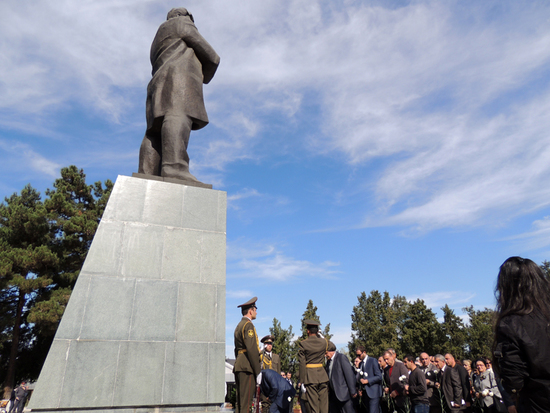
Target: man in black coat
(20, 397)
(450, 383)
(341, 376)
(464, 383)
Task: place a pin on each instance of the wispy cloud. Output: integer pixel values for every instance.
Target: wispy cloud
(537, 238)
(450, 98)
(269, 263)
(438, 299)
(238, 294)
(23, 157)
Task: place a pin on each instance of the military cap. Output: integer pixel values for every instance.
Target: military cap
(331, 346)
(249, 303)
(312, 323)
(267, 339)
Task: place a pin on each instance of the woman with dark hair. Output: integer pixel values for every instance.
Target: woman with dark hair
(522, 333)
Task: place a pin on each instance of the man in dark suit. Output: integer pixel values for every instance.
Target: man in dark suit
(370, 377)
(247, 357)
(464, 382)
(278, 390)
(396, 378)
(450, 383)
(341, 378)
(314, 379)
(271, 361)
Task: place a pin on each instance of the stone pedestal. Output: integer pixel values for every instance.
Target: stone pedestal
(144, 330)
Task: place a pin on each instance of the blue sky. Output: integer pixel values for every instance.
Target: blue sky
(389, 145)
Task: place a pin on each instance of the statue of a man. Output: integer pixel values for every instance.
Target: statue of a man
(182, 61)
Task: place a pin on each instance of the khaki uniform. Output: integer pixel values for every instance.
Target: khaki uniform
(311, 355)
(247, 364)
(273, 362)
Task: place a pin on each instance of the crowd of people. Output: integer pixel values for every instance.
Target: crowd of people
(329, 382)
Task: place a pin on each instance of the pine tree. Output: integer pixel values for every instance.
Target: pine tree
(421, 330)
(282, 345)
(454, 334)
(27, 264)
(479, 332)
(374, 323)
(42, 248)
(311, 314)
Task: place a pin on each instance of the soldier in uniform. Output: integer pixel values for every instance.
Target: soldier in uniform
(268, 361)
(314, 379)
(247, 357)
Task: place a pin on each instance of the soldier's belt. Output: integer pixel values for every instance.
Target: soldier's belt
(313, 366)
(241, 351)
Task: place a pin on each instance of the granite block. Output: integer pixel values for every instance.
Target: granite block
(90, 374)
(108, 309)
(140, 374)
(220, 315)
(48, 388)
(142, 247)
(185, 374)
(71, 323)
(144, 330)
(221, 224)
(127, 200)
(154, 313)
(212, 257)
(182, 255)
(200, 209)
(216, 373)
(196, 312)
(163, 204)
(103, 257)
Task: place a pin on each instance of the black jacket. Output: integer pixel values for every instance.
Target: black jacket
(522, 355)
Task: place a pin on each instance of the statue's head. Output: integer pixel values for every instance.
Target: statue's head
(179, 11)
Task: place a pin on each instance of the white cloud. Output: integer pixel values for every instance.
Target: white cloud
(537, 238)
(451, 98)
(22, 157)
(267, 262)
(238, 294)
(438, 299)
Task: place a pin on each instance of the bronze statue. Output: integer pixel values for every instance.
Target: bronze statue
(182, 61)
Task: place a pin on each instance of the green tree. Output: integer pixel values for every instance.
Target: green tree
(74, 209)
(282, 345)
(454, 334)
(545, 267)
(373, 323)
(311, 314)
(421, 332)
(42, 248)
(479, 332)
(26, 262)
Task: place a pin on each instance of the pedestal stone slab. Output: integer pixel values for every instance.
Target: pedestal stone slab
(144, 330)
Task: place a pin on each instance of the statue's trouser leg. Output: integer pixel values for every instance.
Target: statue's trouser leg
(149, 155)
(175, 138)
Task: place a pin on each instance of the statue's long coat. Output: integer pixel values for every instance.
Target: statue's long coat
(182, 61)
